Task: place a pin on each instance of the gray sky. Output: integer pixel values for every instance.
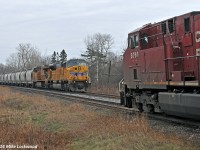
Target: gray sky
(63, 24)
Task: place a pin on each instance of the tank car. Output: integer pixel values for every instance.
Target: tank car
(162, 67)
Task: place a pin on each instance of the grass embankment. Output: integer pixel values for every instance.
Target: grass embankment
(102, 89)
(35, 120)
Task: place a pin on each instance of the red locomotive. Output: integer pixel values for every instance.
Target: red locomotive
(162, 67)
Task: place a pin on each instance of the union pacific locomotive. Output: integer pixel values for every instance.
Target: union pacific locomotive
(70, 76)
(162, 67)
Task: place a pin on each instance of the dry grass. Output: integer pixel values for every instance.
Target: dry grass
(102, 89)
(35, 120)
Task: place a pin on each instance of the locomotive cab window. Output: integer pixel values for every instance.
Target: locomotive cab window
(133, 41)
(171, 25)
(164, 27)
(187, 24)
(144, 40)
(76, 62)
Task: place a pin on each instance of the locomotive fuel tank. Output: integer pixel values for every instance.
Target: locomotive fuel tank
(181, 104)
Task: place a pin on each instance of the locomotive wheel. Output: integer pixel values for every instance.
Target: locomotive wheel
(150, 109)
(121, 98)
(129, 102)
(139, 107)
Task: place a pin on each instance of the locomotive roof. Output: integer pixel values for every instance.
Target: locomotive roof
(138, 29)
(149, 24)
(76, 59)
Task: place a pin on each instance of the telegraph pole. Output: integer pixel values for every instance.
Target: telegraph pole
(109, 69)
(97, 70)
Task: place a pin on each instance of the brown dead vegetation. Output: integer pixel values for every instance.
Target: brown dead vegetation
(35, 120)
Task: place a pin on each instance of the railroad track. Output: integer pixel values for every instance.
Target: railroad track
(82, 98)
(108, 103)
(102, 95)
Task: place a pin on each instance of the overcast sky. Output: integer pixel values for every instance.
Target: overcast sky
(53, 25)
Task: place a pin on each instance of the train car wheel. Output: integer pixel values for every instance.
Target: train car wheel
(129, 102)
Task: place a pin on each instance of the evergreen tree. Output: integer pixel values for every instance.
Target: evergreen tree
(53, 57)
(63, 56)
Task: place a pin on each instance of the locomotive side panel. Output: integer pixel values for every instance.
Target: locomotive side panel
(162, 71)
(153, 70)
(57, 74)
(197, 44)
(143, 63)
(184, 30)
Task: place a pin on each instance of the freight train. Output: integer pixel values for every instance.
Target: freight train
(69, 76)
(161, 67)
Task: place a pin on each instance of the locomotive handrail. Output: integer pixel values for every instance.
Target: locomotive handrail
(120, 83)
(182, 57)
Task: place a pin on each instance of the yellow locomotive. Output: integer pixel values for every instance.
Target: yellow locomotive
(70, 76)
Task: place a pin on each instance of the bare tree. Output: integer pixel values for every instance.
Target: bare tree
(28, 56)
(2, 68)
(46, 59)
(112, 72)
(98, 46)
(124, 45)
(13, 62)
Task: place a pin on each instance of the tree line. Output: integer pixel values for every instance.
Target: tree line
(25, 57)
(56, 58)
(104, 65)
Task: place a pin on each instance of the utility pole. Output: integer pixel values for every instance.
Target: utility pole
(97, 70)
(109, 69)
